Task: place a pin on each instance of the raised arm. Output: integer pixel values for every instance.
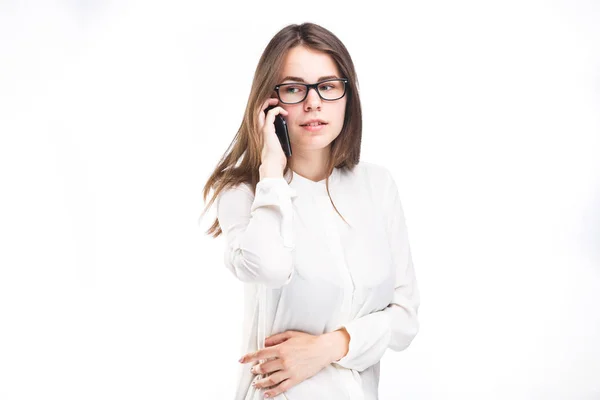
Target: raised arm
(396, 325)
(258, 231)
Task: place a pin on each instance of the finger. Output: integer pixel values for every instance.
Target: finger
(276, 110)
(270, 118)
(271, 380)
(282, 387)
(277, 339)
(268, 352)
(249, 357)
(270, 100)
(268, 367)
(266, 103)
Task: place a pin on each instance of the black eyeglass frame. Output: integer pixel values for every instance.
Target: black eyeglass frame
(309, 86)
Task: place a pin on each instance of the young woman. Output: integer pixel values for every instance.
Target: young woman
(328, 286)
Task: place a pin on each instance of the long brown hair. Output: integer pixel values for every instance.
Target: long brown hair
(247, 143)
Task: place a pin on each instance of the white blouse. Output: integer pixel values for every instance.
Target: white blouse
(305, 269)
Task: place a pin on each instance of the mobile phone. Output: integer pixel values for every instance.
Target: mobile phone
(282, 132)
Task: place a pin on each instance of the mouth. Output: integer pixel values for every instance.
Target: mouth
(315, 124)
(314, 127)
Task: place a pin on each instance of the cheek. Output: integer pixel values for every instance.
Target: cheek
(293, 118)
(341, 114)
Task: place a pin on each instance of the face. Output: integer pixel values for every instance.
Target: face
(311, 66)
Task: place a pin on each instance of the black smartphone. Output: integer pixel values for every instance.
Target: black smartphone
(282, 132)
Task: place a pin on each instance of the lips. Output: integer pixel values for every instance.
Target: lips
(314, 124)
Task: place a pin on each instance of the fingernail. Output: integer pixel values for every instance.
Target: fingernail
(241, 359)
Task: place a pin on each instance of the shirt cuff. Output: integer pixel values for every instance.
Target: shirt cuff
(370, 336)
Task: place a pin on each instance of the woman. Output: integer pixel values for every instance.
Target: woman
(327, 292)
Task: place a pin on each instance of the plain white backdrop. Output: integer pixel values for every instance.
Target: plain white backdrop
(114, 113)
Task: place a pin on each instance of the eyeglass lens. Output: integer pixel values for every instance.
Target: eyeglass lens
(295, 92)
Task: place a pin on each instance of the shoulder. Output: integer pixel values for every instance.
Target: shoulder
(380, 181)
(371, 168)
(239, 192)
(377, 175)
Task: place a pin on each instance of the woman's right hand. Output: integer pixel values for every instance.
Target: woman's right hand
(272, 155)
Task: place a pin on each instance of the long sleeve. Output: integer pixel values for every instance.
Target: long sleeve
(258, 233)
(396, 325)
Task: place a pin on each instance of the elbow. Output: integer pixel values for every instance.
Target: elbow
(274, 270)
(277, 272)
(402, 337)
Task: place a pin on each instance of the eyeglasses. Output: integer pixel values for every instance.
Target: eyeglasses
(330, 89)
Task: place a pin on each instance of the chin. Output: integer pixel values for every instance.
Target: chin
(311, 140)
(317, 144)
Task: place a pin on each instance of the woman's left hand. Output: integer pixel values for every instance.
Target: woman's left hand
(296, 357)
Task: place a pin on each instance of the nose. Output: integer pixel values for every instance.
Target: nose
(313, 100)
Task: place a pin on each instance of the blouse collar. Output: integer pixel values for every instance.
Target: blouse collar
(304, 185)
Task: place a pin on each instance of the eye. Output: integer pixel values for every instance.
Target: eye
(327, 85)
(292, 89)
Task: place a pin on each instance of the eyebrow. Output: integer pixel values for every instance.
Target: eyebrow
(298, 79)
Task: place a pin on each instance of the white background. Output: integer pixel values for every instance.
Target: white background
(114, 113)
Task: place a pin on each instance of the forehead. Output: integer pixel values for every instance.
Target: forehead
(308, 64)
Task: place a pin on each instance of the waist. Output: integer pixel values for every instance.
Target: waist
(332, 382)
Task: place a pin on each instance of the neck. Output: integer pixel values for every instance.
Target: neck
(310, 164)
